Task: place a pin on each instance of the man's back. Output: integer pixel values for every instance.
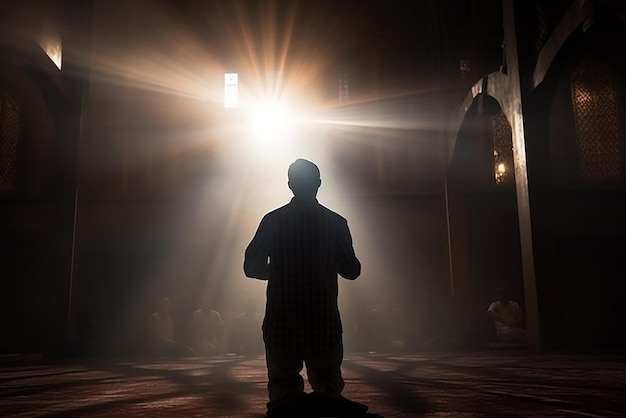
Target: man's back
(307, 245)
(506, 316)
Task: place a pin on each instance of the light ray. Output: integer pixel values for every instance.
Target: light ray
(184, 69)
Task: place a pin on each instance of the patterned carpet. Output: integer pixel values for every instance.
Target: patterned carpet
(477, 384)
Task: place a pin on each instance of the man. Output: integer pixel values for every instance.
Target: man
(299, 249)
(507, 318)
(206, 329)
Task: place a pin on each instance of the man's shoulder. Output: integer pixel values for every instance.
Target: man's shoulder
(331, 212)
(283, 210)
(494, 305)
(276, 212)
(215, 316)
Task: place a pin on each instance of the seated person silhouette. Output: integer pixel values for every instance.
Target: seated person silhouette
(507, 318)
(206, 329)
(161, 338)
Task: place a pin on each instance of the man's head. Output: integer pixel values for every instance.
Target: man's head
(304, 178)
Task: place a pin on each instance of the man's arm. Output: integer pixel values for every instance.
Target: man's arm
(349, 266)
(255, 264)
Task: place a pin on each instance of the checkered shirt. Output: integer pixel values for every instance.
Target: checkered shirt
(300, 248)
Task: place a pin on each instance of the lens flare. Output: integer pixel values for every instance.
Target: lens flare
(271, 121)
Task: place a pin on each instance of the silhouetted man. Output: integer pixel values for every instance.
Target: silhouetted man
(299, 249)
(507, 318)
(206, 329)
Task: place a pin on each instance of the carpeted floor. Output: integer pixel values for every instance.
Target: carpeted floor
(477, 384)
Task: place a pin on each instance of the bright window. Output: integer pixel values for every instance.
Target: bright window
(231, 90)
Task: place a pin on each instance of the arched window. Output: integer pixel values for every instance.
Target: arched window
(9, 141)
(502, 149)
(596, 123)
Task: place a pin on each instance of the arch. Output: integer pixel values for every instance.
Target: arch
(578, 211)
(494, 85)
(485, 247)
(31, 221)
(577, 19)
(503, 171)
(571, 21)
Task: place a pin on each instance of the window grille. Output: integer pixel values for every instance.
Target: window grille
(9, 140)
(343, 88)
(502, 149)
(594, 104)
(231, 90)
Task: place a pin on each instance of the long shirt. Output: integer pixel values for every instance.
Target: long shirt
(300, 249)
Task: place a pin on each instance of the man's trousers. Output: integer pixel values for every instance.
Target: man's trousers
(323, 369)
